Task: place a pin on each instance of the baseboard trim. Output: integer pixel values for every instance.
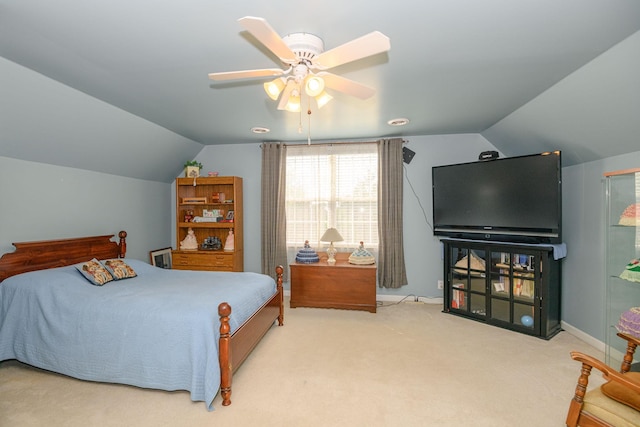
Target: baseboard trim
(395, 298)
(398, 298)
(599, 345)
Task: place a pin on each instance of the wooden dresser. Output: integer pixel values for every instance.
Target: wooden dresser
(341, 285)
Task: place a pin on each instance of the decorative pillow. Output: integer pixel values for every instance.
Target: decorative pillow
(94, 272)
(617, 391)
(119, 269)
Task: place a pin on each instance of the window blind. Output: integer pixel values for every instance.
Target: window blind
(332, 185)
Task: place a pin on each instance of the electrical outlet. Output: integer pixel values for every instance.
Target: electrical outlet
(416, 300)
(440, 284)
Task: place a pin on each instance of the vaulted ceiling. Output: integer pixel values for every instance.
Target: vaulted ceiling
(527, 74)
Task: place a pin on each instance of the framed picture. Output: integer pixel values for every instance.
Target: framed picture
(229, 216)
(161, 258)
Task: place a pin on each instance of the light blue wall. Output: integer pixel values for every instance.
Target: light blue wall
(422, 250)
(45, 121)
(41, 202)
(583, 219)
(583, 274)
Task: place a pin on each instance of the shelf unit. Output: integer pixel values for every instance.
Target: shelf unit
(511, 286)
(622, 189)
(195, 196)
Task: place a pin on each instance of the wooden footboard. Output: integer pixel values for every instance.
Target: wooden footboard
(234, 348)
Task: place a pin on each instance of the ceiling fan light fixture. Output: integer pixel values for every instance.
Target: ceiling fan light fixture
(274, 88)
(323, 99)
(314, 85)
(307, 63)
(293, 104)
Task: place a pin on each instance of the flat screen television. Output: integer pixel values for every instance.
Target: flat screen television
(514, 199)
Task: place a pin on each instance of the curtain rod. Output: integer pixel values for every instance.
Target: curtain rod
(404, 141)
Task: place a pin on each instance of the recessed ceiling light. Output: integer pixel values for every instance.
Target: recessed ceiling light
(398, 122)
(258, 129)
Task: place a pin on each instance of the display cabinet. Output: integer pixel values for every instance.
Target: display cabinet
(212, 208)
(622, 190)
(512, 286)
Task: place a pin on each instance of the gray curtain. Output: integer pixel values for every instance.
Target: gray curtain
(272, 207)
(391, 268)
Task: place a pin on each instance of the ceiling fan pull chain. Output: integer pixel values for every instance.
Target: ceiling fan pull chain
(300, 121)
(309, 126)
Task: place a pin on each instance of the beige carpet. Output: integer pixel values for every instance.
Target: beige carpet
(407, 365)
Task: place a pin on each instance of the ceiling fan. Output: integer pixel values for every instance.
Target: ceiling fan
(305, 62)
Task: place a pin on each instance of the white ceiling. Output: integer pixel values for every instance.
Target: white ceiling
(455, 66)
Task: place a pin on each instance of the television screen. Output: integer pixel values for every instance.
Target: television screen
(515, 199)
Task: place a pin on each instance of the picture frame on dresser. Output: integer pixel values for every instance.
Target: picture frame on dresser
(161, 258)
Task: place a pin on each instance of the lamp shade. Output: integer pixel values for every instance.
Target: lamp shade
(331, 235)
(293, 104)
(323, 98)
(273, 88)
(314, 85)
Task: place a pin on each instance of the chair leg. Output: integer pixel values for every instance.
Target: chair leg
(628, 357)
(575, 407)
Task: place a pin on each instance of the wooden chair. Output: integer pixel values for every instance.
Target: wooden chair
(615, 403)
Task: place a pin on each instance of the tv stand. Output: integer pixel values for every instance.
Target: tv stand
(512, 286)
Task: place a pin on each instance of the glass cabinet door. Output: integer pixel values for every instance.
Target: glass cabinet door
(501, 281)
(513, 288)
(623, 247)
(468, 286)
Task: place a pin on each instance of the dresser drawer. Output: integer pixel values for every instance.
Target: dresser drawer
(203, 261)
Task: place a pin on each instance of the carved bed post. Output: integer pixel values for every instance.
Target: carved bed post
(123, 244)
(224, 310)
(279, 272)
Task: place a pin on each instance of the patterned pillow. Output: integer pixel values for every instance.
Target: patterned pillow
(94, 272)
(119, 269)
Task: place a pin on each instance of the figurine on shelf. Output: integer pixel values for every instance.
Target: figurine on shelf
(190, 242)
(188, 217)
(228, 244)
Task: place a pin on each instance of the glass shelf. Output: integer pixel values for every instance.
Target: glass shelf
(622, 190)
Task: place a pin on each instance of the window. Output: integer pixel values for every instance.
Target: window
(332, 185)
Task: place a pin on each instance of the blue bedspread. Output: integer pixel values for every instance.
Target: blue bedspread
(159, 330)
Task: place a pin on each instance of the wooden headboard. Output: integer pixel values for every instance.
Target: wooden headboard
(43, 254)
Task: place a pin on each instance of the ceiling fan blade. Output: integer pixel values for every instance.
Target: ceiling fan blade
(286, 93)
(367, 45)
(261, 30)
(246, 74)
(350, 87)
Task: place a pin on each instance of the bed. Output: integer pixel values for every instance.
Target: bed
(159, 329)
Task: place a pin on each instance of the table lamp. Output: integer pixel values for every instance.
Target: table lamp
(331, 235)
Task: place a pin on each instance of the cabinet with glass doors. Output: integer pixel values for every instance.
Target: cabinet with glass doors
(622, 190)
(512, 286)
